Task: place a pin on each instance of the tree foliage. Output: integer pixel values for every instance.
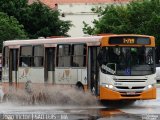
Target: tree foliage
(42, 21)
(10, 29)
(38, 19)
(137, 17)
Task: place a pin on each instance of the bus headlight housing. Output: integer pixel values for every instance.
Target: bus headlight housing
(110, 86)
(149, 86)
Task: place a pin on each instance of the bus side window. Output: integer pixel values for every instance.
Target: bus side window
(5, 56)
(64, 55)
(79, 55)
(38, 56)
(25, 56)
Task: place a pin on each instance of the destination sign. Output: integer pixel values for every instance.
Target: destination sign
(129, 40)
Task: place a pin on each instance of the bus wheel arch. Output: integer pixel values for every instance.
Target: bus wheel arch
(79, 86)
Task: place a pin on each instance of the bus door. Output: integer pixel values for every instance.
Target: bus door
(93, 70)
(13, 66)
(49, 71)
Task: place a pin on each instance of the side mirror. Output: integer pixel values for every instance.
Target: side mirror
(110, 67)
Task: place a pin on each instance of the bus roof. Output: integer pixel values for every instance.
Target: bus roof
(90, 39)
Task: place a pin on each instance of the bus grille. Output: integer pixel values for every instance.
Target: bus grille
(130, 80)
(124, 87)
(136, 95)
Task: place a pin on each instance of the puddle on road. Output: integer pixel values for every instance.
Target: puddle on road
(44, 112)
(127, 114)
(57, 113)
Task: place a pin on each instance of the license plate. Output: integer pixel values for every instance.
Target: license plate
(130, 93)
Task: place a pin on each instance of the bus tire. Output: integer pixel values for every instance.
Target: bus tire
(79, 86)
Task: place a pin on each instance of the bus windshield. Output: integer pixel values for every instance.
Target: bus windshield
(127, 61)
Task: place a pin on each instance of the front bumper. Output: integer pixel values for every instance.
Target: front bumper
(108, 94)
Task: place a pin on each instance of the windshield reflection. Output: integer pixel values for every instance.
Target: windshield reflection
(127, 60)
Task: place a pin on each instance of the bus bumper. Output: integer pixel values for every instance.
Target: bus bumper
(108, 94)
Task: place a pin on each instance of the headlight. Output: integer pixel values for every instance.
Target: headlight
(110, 86)
(149, 86)
(107, 86)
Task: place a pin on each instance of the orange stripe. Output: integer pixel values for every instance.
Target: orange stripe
(108, 94)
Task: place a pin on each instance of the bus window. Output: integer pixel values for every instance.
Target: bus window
(141, 55)
(134, 56)
(102, 56)
(63, 56)
(38, 56)
(126, 60)
(50, 60)
(6, 56)
(79, 55)
(149, 56)
(113, 56)
(107, 55)
(26, 56)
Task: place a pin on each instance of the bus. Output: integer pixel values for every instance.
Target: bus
(113, 67)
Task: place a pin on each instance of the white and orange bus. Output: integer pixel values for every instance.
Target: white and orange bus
(113, 67)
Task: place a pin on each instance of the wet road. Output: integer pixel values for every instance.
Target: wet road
(140, 110)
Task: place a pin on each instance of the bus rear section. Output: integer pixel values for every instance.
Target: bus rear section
(127, 68)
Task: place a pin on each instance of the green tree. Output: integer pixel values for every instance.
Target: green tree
(10, 29)
(137, 17)
(43, 21)
(38, 19)
(14, 8)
